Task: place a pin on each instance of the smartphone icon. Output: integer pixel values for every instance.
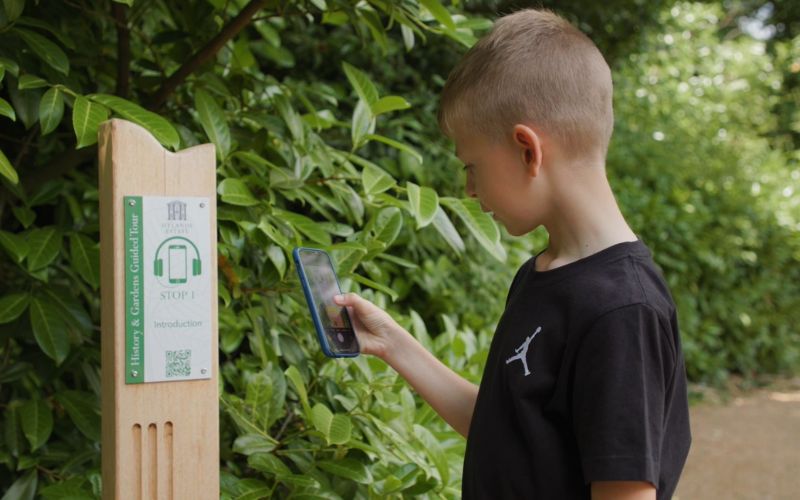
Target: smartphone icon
(177, 263)
(332, 322)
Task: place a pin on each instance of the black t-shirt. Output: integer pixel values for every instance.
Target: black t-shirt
(584, 381)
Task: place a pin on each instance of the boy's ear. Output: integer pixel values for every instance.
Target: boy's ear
(530, 147)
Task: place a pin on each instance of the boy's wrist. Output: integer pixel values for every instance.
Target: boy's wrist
(399, 343)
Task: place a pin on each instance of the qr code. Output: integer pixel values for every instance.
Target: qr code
(179, 363)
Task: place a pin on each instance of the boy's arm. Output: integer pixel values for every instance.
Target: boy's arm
(623, 490)
(452, 396)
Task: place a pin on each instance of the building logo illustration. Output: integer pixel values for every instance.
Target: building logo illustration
(522, 352)
(176, 210)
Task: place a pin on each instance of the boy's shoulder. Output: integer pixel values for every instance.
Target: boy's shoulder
(619, 276)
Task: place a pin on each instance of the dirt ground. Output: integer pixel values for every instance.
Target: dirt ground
(745, 445)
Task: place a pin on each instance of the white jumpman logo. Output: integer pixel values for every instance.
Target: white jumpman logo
(522, 352)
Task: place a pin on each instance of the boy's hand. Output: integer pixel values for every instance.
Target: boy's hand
(452, 396)
(373, 326)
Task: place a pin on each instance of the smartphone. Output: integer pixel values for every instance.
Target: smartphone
(320, 284)
(177, 263)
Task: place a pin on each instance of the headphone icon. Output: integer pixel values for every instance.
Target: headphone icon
(158, 264)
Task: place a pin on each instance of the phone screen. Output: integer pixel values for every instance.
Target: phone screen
(323, 286)
(177, 263)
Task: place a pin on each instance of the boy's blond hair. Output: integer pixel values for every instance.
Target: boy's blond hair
(534, 68)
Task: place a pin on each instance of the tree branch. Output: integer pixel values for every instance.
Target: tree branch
(123, 49)
(69, 160)
(206, 53)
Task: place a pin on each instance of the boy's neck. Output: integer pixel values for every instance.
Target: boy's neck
(586, 218)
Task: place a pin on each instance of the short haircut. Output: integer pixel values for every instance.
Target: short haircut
(534, 68)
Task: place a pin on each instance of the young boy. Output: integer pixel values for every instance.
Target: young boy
(584, 390)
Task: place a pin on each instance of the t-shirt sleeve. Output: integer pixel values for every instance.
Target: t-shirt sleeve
(623, 368)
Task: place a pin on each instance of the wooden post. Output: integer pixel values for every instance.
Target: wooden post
(160, 440)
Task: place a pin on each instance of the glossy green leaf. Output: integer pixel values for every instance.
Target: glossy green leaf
(82, 408)
(247, 444)
(24, 488)
(340, 429)
(236, 192)
(480, 224)
(362, 124)
(74, 488)
(12, 306)
(361, 83)
(424, 202)
(347, 468)
(25, 215)
(6, 170)
(321, 417)
(14, 371)
(388, 104)
(161, 129)
(273, 233)
(27, 82)
(60, 34)
(376, 180)
(439, 13)
(375, 285)
(448, 231)
(51, 110)
(37, 422)
(49, 329)
(296, 379)
(299, 481)
(45, 245)
(408, 37)
(48, 51)
(347, 255)
(9, 65)
(278, 259)
(86, 119)
(69, 307)
(290, 117)
(212, 118)
(306, 226)
(395, 144)
(433, 448)
(268, 32)
(15, 245)
(6, 110)
(269, 463)
(388, 223)
(337, 18)
(13, 9)
(398, 260)
(85, 256)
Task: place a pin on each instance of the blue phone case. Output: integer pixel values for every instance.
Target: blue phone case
(312, 306)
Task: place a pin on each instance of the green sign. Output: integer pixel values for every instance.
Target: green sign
(134, 291)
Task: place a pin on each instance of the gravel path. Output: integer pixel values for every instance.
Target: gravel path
(747, 447)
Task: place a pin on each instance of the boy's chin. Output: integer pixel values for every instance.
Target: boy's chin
(519, 229)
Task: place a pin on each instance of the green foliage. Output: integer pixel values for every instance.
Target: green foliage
(699, 180)
(307, 155)
(323, 118)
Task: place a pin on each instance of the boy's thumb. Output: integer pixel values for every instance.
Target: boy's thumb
(344, 299)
